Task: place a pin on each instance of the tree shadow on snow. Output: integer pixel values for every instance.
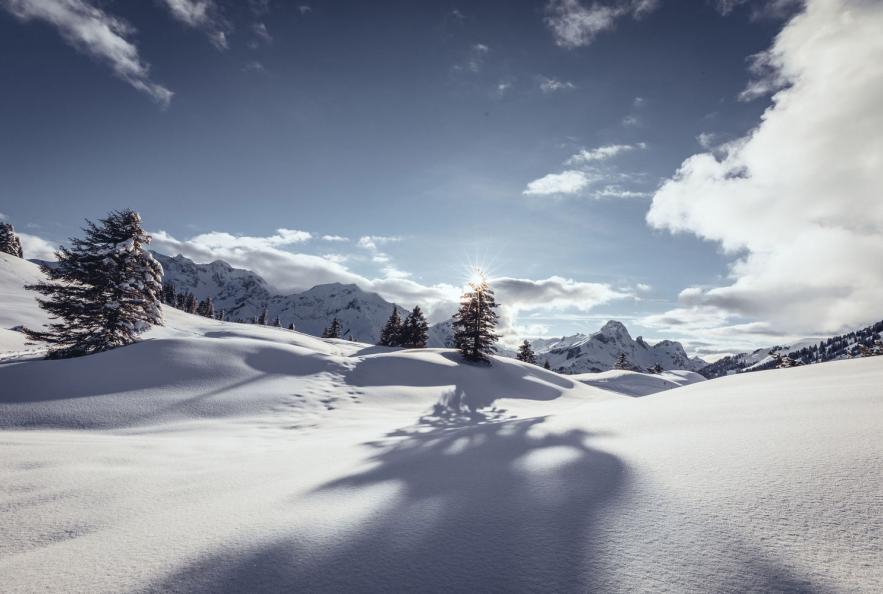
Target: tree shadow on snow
(482, 506)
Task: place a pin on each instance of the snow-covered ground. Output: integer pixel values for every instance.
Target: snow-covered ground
(633, 383)
(221, 457)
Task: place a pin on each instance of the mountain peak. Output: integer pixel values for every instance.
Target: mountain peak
(614, 329)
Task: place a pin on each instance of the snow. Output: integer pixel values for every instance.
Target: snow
(634, 383)
(17, 306)
(221, 457)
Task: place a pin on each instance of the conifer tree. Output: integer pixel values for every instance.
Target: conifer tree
(291, 326)
(415, 330)
(525, 353)
(9, 242)
(475, 322)
(391, 335)
(262, 318)
(657, 369)
(622, 362)
(206, 308)
(169, 295)
(546, 365)
(277, 322)
(104, 290)
(190, 303)
(333, 331)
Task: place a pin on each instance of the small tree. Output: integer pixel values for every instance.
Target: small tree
(277, 322)
(526, 354)
(656, 369)
(475, 322)
(169, 295)
(333, 331)
(291, 326)
(622, 362)
(9, 242)
(190, 303)
(391, 335)
(262, 318)
(107, 291)
(546, 365)
(415, 330)
(206, 308)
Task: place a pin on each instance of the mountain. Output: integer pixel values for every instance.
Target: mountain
(242, 295)
(596, 352)
(805, 352)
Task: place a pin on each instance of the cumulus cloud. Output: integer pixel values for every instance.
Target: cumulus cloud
(575, 25)
(797, 201)
(94, 32)
(36, 248)
(566, 182)
(204, 15)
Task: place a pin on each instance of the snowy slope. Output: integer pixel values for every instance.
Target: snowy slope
(221, 457)
(18, 306)
(633, 383)
(242, 294)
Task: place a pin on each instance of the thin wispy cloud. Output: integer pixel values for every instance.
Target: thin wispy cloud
(553, 85)
(204, 15)
(586, 169)
(96, 33)
(575, 24)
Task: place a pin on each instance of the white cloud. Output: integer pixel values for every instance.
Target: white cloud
(552, 85)
(798, 199)
(36, 248)
(566, 182)
(201, 14)
(260, 29)
(3, 217)
(304, 9)
(618, 192)
(631, 121)
(339, 238)
(96, 33)
(602, 153)
(575, 25)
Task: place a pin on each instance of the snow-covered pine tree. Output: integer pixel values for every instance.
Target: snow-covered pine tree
(475, 322)
(206, 308)
(262, 319)
(391, 335)
(190, 303)
(546, 365)
(622, 362)
(415, 330)
(9, 242)
(333, 331)
(220, 316)
(525, 353)
(107, 289)
(657, 369)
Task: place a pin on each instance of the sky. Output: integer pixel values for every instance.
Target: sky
(704, 171)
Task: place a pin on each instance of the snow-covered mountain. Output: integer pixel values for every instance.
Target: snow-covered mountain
(242, 294)
(596, 352)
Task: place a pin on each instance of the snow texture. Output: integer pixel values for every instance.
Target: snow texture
(221, 457)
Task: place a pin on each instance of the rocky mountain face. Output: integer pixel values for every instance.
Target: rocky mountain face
(242, 295)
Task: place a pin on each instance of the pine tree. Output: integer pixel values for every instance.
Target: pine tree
(622, 362)
(107, 291)
(415, 330)
(277, 322)
(206, 308)
(332, 331)
(169, 295)
(291, 326)
(9, 242)
(526, 354)
(657, 369)
(262, 319)
(190, 303)
(475, 322)
(220, 316)
(391, 335)
(546, 365)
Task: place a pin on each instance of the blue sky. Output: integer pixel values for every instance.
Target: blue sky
(531, 138)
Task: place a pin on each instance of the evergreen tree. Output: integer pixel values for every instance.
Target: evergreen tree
(526, 354)
(190, 303)
(169, 295)
(291, 326)
(220, 316)
(277, 322)
(415, 330)
(657, 369)
(391, 335)
(180, 298)
(546, 365)
(9, 242)
(332, 331)
(262, 319)
(206, 308)
(622, 362)
(475, 322)
(107, 289)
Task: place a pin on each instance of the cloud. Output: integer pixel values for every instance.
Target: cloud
(797, 201)
(553, 85)
(334, 238)
(36, 248)
(3, 217)
(260, 29)
(566, 182)
(96, 33)
(201, 14)
(304, 9)
(575, 25)
(602, 153)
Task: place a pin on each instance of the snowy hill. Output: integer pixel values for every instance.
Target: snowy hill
(242, 294)
(633, 383)
(597, 352)
(221, 457)
(17, 306)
